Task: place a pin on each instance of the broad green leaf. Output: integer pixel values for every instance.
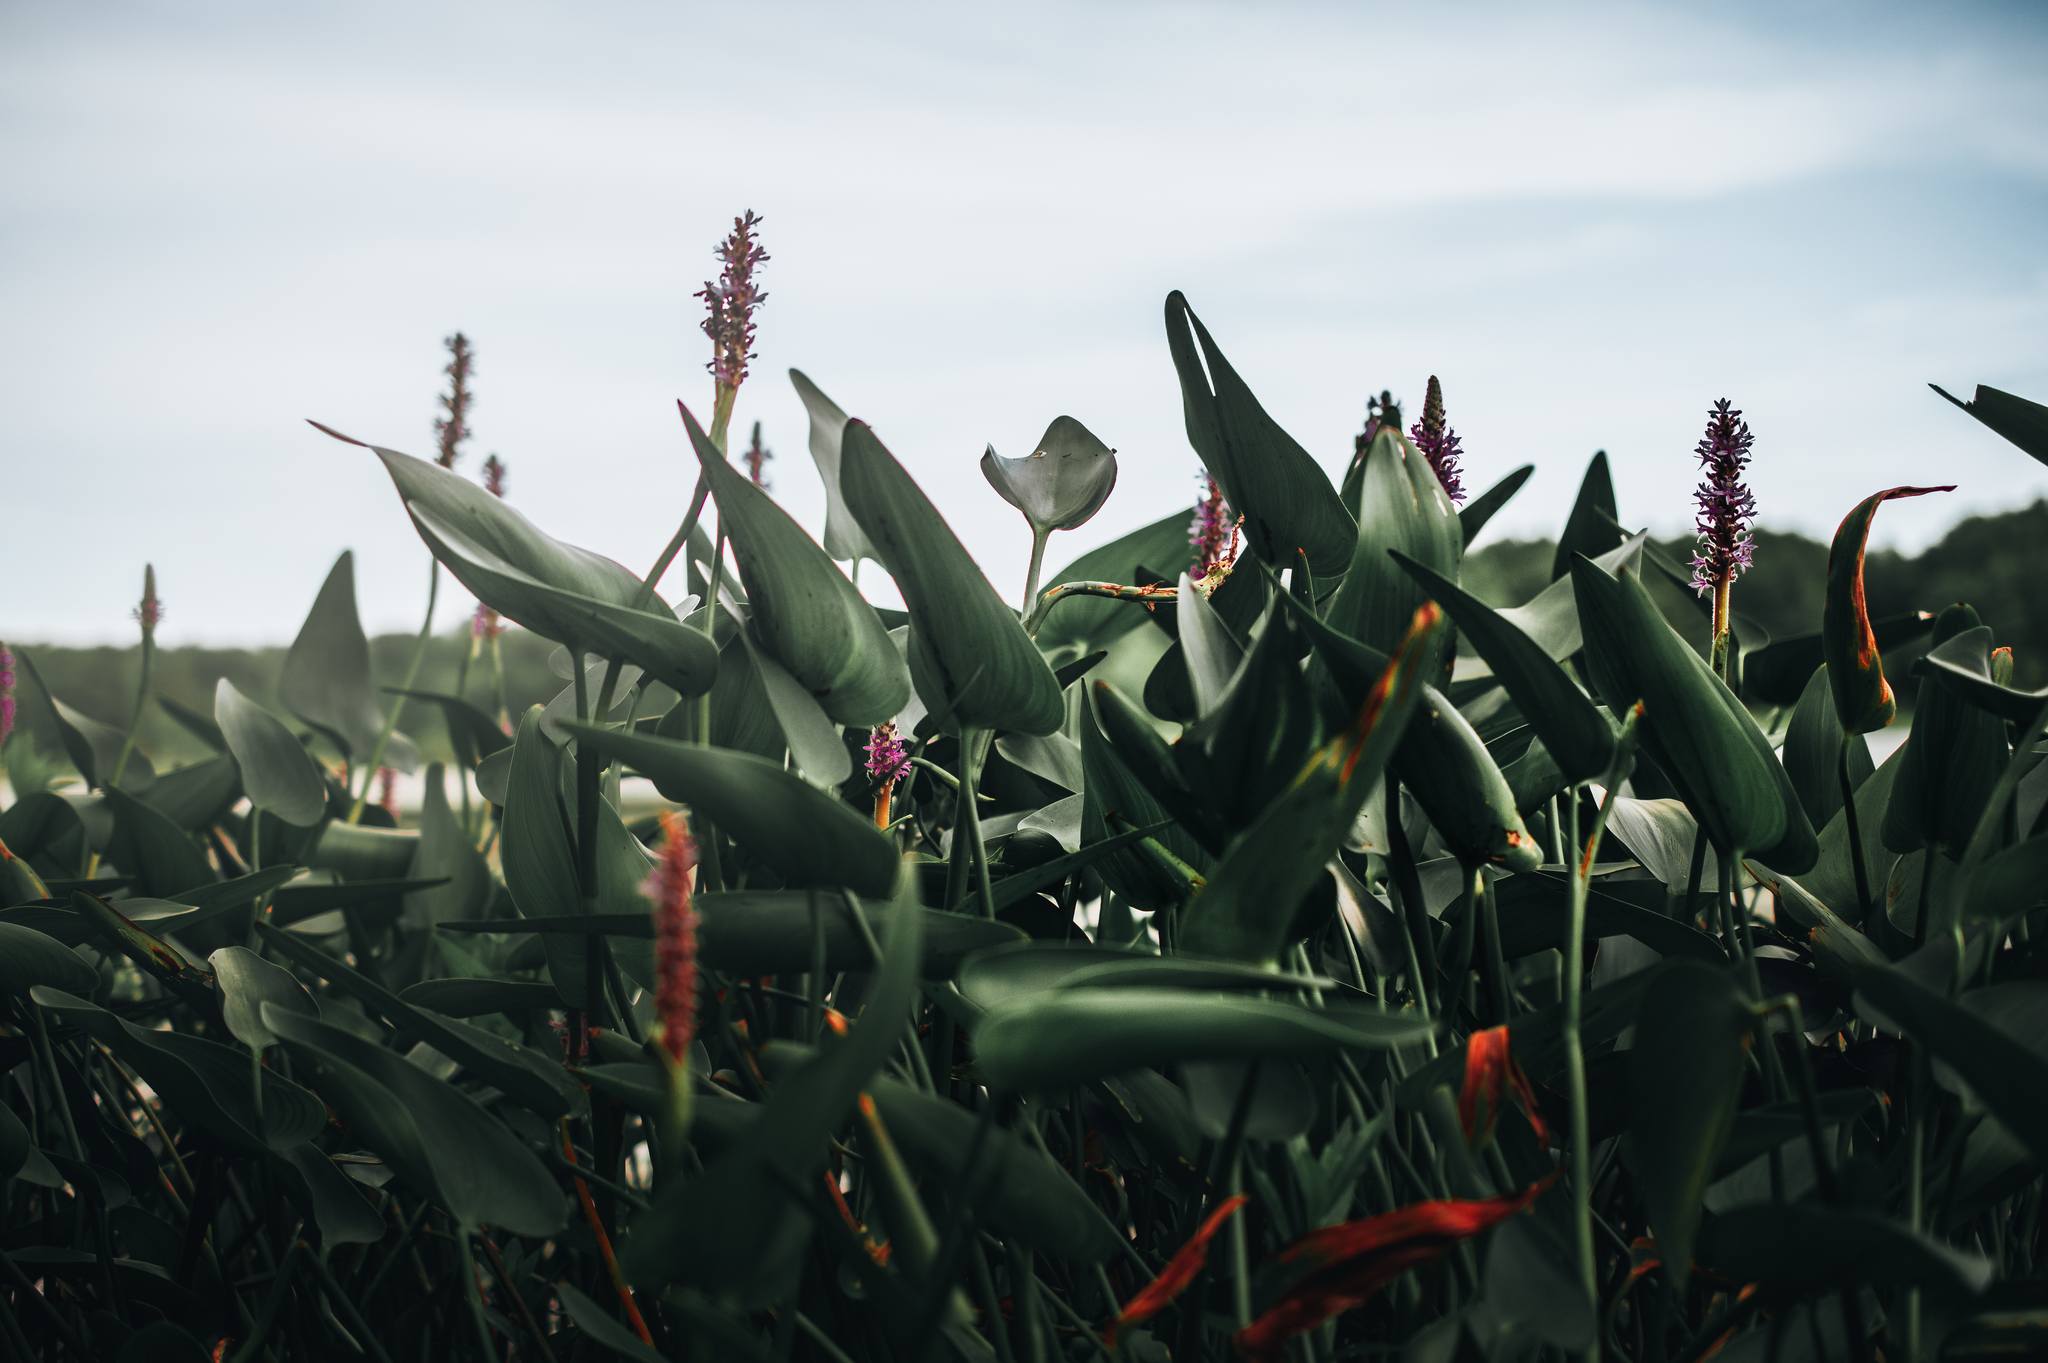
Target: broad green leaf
(2009, 1076)
(444, 853)
(1061, 484)
(472, 734)
(1594, 526)
(973, 665)
(522, 1074)
(1079, 623)
(29, 958)
(1578, 737)
(1698, 733)
(1953, 753)
(278, 775)
(1211, 652)
(1814, 744)
(198, 796)
(433, 1134)
(1455, 780)
(1535, 916)
(759, 805)
(1402, 508)
(1960, 664)
(462, 996)
(157, 855)
(539, 860)
(805, 611)
(94, 748)
(1284, 496)
(1246, 910)
(649, 636)
(1804, 1247)
(1071, 1036)
(844, 539)
(1863, 698)
(2022, 422)
(1776, 673)
(203, 1082)
(247, 982)
(326, 678)
(815, 746)
(1473, 516)
(1018, 1190)
(329, 1198)
(1685, 1081)
(356, 851)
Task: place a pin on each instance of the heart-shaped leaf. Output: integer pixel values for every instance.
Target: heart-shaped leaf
(326, 678)
(278, 775)
(247, 982)
(1061, 484)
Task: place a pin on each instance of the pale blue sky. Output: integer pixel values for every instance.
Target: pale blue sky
(1590, 220)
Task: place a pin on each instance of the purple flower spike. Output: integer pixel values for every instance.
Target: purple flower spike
(451, 428)
(757, 457)
(1726, 505)
(730, 300)
(1438, 442)
(1209, 533)
(888, 755)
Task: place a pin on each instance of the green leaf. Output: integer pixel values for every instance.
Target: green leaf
(1535, 912)
(758, 804)
(445, 854)
(276, 772)
(844, 539)
(1455, 780)
(1080, 623)
(1019, 1191)
(203, 1082)
(160, 860)
(806, 613)
(1284, 496)
(435, 1136)
(815, 746)
(1698, 733)
(1594, 526)
(463, 996)
(1071, 1036)
(247, 982)
(1776, 673)
(1473, 516)
(2022, 422)
(1579, 738)
(1863, 698)
(587, 1316)
(1953, 753)
(1803, 1247)
(1814, 740)
(472, 734)
(1685, 1077)
(354, 851)
(2008, 1076)
(972, 663)
(988, 979)
(522, 1074)
(1246, 911)
(1960, 665)
(198, 796)
(94, 748)
(1402, 508)
(1061, 484)
(326, 679)
(330, 1198)
(539, 861)
(29, 958)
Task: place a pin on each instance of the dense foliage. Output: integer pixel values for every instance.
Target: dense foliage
(1372, 970)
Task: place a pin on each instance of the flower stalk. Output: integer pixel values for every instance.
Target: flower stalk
(1725, 508)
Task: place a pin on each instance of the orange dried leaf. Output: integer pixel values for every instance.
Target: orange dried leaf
(1180, 1270)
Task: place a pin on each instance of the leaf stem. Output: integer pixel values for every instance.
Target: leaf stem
(412, 672)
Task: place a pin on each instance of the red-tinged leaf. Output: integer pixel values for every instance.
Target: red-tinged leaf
(1863, 698)
(1173, 1280)
(1490, 1070)
(1342, 1267)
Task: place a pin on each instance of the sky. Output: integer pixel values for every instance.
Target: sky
(218, 220)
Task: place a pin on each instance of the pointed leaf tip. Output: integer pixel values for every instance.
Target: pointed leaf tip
(1863, 698)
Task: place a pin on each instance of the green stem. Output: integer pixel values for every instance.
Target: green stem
(1854, 826)
(1581, 872)
(1033, 607)
(475, 1294)
(412, 672)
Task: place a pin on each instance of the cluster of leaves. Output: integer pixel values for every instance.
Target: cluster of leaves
(1386, 971)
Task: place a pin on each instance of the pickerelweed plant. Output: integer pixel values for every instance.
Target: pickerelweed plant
(1307, 960)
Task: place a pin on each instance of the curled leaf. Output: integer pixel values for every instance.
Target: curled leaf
(1863, 698)
(1061, 484)
(1180, 1270)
